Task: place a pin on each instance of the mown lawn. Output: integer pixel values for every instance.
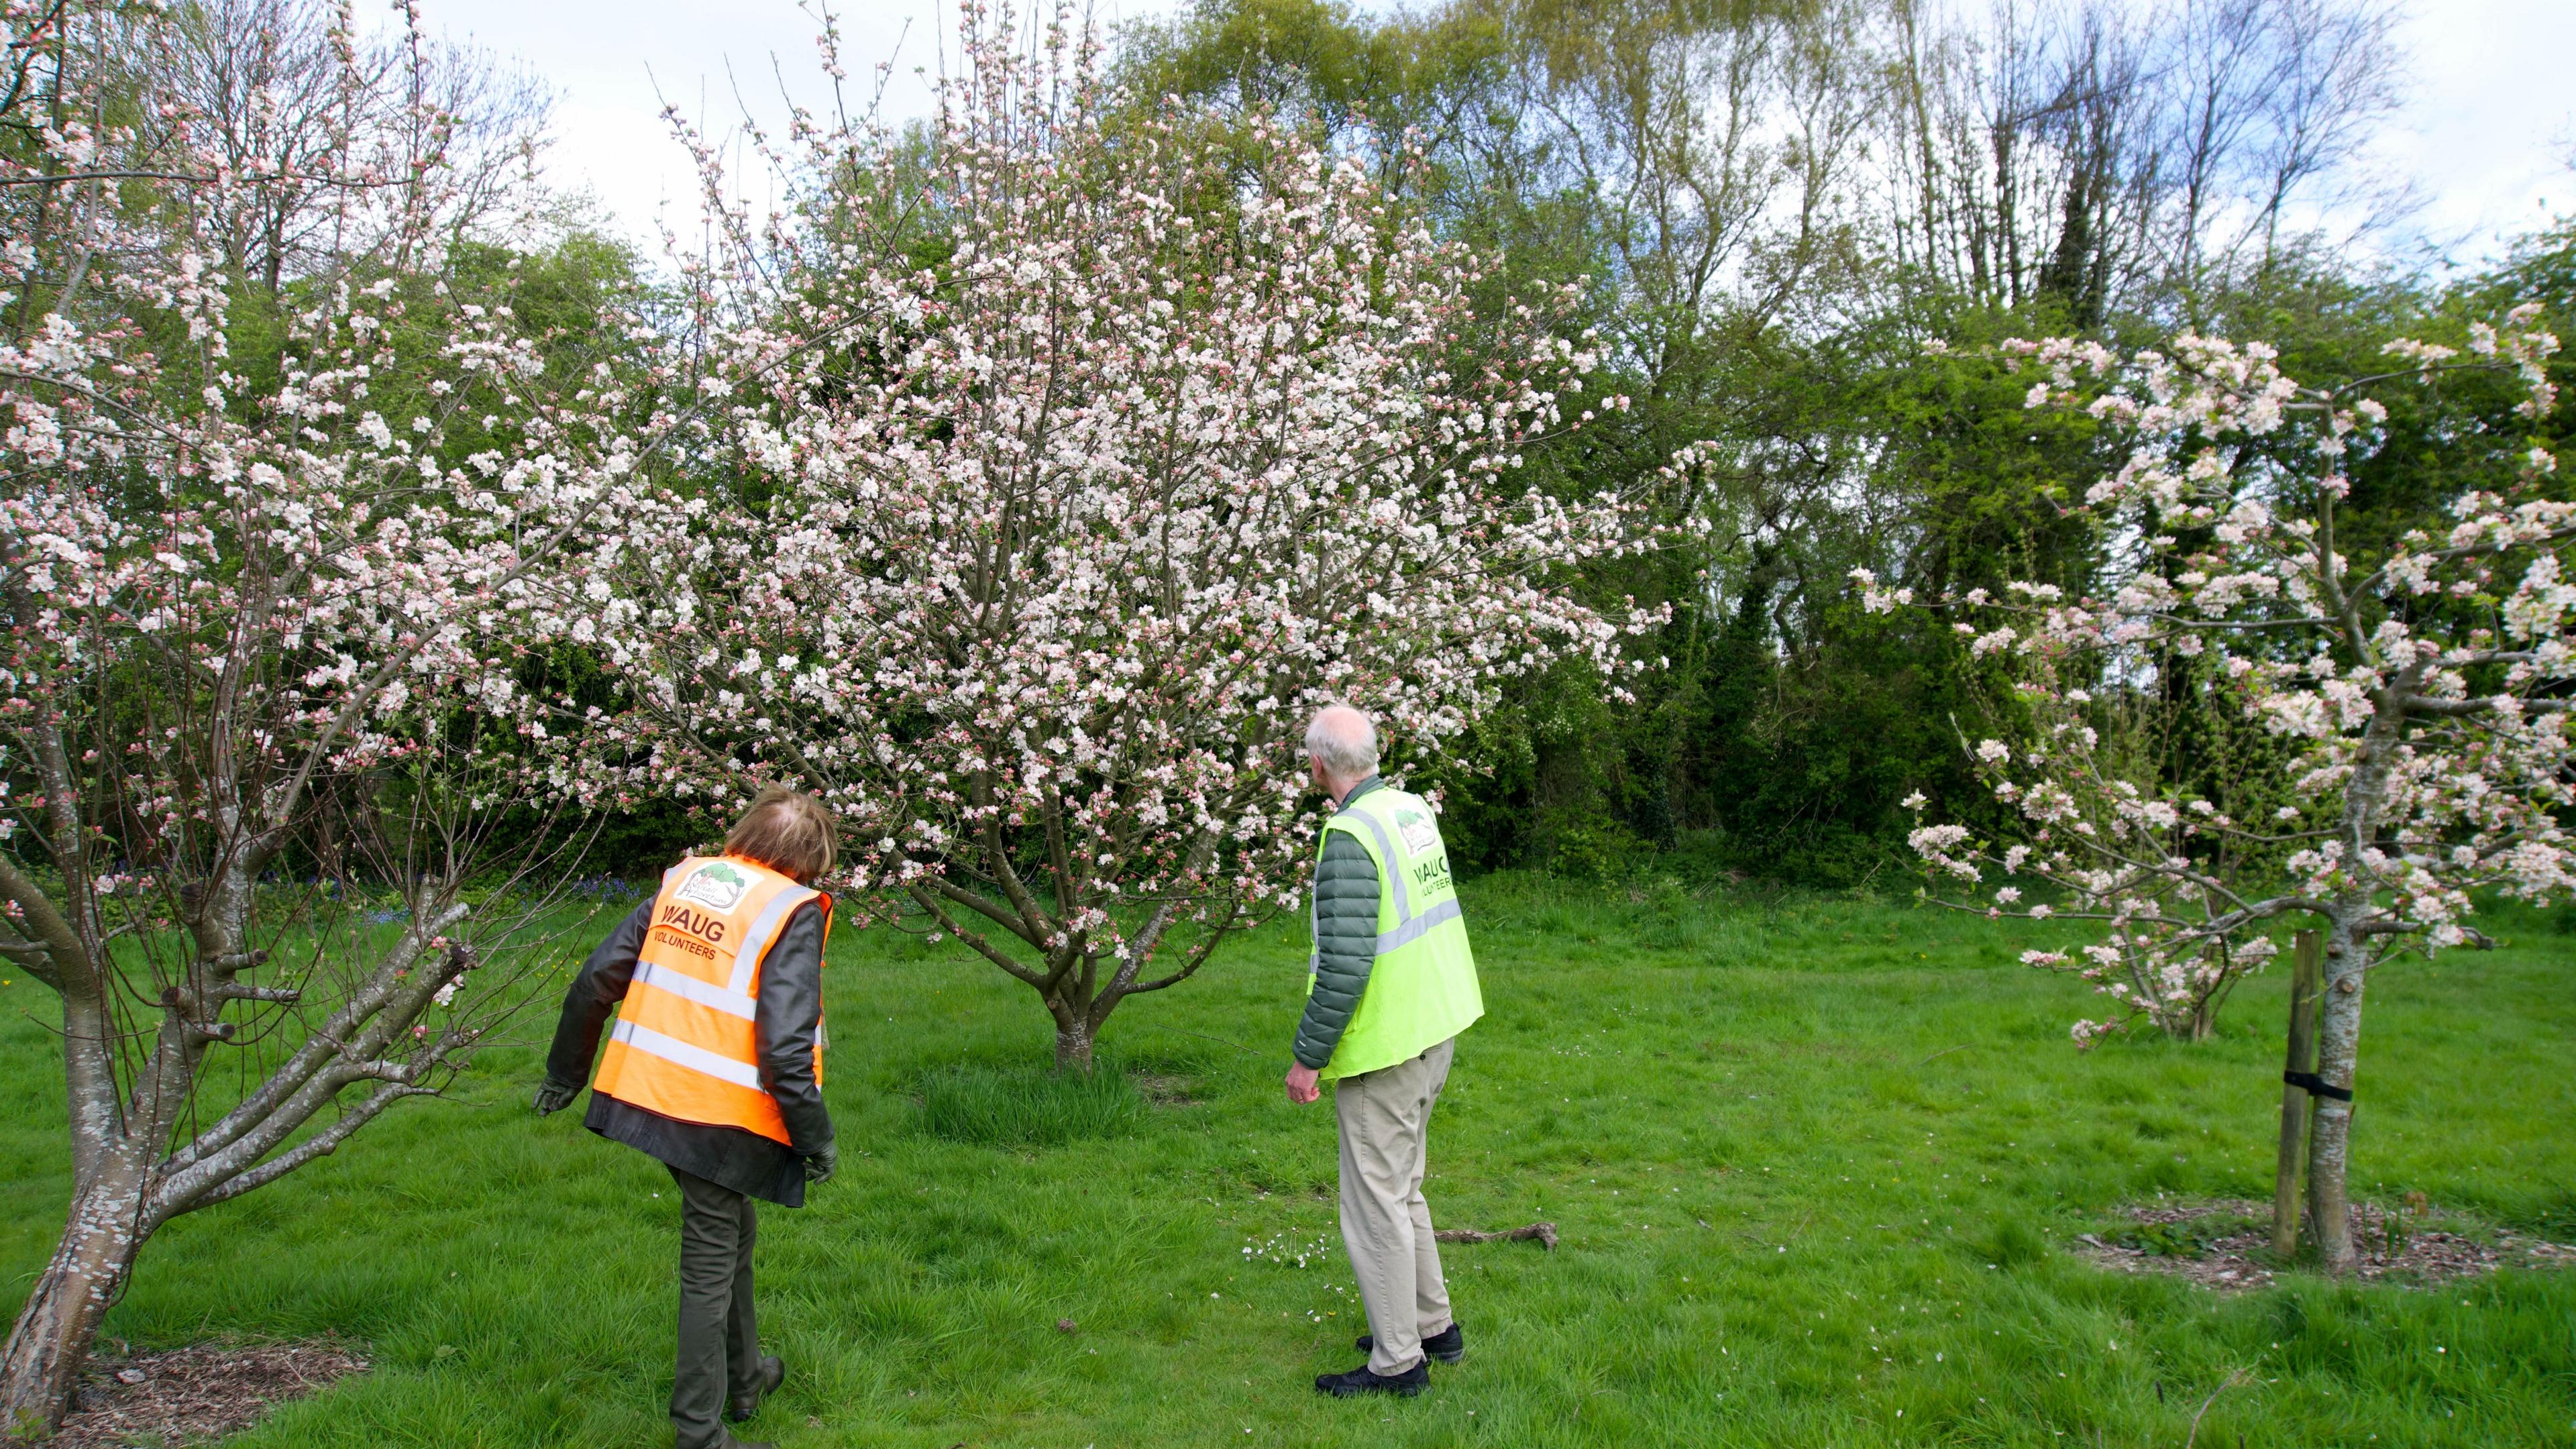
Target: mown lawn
(1816, 1162)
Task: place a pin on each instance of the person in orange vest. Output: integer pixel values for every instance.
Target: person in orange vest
(715, 1067)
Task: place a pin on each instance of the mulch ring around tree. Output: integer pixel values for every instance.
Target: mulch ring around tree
(195, 1394)
(2226, 1244)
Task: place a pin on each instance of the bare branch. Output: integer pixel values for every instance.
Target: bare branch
(321, 1144)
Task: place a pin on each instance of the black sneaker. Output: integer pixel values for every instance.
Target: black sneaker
(1448, 1345)
(1360, 1381)
(773, 1372)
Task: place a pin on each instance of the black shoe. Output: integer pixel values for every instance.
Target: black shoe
(773, 1372)
(1360, 1381)
(1448, 1345)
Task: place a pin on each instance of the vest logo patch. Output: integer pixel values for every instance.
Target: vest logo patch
(1419, 833)
(715, 885)
(697, 923)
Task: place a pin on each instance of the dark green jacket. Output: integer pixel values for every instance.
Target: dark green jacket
(1346, 901)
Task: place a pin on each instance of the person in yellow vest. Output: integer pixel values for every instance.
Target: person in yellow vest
(715, 1067)
(1390, 986)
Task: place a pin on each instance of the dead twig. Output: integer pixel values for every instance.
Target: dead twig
(2234, 1377)
(1220, 1041)
(1544, 1234)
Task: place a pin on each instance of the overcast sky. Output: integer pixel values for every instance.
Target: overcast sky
(615, 63)
(2487, 140)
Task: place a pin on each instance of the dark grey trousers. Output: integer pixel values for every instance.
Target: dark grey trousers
(719, 1339)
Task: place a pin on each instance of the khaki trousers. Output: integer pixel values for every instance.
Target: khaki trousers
(1385, 1119)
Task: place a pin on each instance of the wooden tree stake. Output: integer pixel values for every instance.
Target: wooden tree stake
(2307, 970)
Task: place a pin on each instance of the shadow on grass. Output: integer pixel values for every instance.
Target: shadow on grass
(1026, 1106)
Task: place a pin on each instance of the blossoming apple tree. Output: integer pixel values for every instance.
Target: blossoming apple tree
(267, 587)
(1138, 443)
(2420, 691)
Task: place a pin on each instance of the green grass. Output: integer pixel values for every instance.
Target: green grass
(1028, 1105)
(1816, 1163)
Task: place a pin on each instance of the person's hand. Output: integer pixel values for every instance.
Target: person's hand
(820, 1167)
(1301, 1084)
(554, 1094)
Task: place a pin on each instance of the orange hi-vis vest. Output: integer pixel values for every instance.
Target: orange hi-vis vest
(683, 1044)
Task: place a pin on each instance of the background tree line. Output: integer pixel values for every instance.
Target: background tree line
(1779, 211)
(1800, 224)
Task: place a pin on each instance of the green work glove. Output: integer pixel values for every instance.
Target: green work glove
(820, 1167)
(554, 1095)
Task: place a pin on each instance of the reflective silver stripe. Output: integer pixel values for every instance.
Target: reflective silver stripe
(679, 1053)
(748, 951)
(704, 993)
(1417, 928)
(1392, 863)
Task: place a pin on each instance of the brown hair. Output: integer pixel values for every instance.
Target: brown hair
(787, 830)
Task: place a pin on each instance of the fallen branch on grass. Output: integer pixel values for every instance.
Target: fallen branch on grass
(1544, 1234)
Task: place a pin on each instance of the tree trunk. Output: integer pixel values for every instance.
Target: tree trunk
(1073, 1040)
(2330, 1138)
(42, 1364)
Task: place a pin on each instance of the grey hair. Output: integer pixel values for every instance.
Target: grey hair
(1344, 741)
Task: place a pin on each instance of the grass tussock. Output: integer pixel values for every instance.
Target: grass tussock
(1027, 1106)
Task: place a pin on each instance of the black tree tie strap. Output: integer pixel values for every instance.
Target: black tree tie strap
(2317, 1086)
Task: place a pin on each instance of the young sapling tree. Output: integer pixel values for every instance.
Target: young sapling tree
(2421, 691)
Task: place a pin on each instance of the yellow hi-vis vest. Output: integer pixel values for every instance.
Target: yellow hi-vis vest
(684, 1044)
(1422, 988)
